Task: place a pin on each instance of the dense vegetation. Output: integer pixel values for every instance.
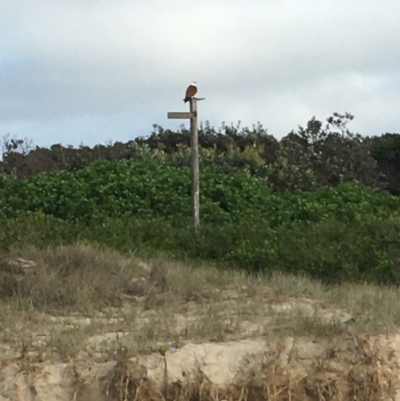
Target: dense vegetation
(318, 202)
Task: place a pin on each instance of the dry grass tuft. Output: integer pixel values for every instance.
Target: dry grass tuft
(69, 277)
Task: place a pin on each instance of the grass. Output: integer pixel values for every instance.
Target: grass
(80, 296)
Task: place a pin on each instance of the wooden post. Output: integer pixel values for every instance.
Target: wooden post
(194, 156)
(194, 163)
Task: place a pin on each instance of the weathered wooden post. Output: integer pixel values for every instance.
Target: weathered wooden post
(194, 155)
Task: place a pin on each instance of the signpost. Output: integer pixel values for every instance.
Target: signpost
(194, 153)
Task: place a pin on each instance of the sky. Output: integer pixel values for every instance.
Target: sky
(95, 71)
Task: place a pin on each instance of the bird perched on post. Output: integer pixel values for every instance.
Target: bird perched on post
(190, 91)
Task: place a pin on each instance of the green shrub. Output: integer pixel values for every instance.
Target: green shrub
(348, 232)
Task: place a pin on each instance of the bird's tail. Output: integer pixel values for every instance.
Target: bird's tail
(186, 99)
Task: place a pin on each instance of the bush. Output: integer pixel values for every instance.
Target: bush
(149, 189)
(347, 232)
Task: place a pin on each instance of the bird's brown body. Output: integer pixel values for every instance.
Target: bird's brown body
(190, 91)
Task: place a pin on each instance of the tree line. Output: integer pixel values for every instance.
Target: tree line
(319, 154)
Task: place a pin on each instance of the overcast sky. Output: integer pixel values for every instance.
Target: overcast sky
(92, 71)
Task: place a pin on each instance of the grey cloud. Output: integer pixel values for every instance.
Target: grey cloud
(279, 62)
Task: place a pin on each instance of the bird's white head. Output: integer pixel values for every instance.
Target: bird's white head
(194, 83)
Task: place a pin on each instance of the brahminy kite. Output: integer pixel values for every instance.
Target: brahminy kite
(190, 91)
